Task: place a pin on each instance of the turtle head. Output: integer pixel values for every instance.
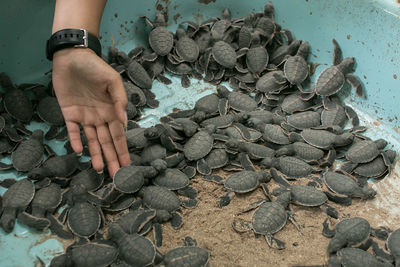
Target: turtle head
(226, 14)
(304, 49)
(180, 32)
(210, 128)
(37, 135)
(336, 243)
(222, 91)
(232, 144)
(269, 10)
(159, 164)
(39, 173)
(7, 220)
(160, 20)
(254, 122)
(153, 132)
(381, 143)
(78, 193)
(294, 46)
(263, 176)
(346, 65)
(199, 116)
(115, 231)
(368, 193)
(284, 198)
(268, 162)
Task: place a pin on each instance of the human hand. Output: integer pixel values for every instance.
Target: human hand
(91, 94)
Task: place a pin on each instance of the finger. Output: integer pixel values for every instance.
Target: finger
(119, 139)
(118, 95)
(107, 145)
(94, 148)
(74, 134)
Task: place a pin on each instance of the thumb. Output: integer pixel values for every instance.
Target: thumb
(118, 95)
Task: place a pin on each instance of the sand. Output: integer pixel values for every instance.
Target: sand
(211, 226)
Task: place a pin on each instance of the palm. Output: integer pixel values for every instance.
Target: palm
(91, 94)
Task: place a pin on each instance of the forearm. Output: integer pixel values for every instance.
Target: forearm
(78, 14)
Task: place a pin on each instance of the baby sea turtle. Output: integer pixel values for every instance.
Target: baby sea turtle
(187, 256)
(198, 146)
(348, 232)
(84, 219)
(18, 105)
(255, 151)
(186, 48)
(224, 54)
(294, 103)
(274, 81)
(304, 120)
(393, 245)
(160, 39)
(46, 200)
(49, 111)
(89, 178)
(15, 200)
(206, 105)
(257, 56)
(289, 166)
(332, 79)
(217, 158)
(273, 133)
(173, 179)
(134, 249)
(324, 139)
(224, 121)
(332, 117)
(100, 254)
(270, 217)
(57, 166)
(307, 196)
(356, 257)
(365, 151)
(153, 152)
(129, 179)
(301, 150)
(376, 168)
(219, 28)
(279, 54)
(139, 75)
(296, 67)
(29, 153)
(345, 185)
(237, 101)
(242, 182)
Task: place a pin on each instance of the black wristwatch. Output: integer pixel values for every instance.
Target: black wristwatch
(72, 38)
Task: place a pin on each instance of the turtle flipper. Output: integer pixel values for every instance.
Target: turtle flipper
(337, 53)
(58, 229)
(240, 225)
(356, 84)
(33, 221)
(226, 199)
(246, 162)
(274, 243)
(326, 231)
(157, 230)
(203, 168)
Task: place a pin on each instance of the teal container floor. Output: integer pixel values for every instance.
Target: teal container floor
(367, 30)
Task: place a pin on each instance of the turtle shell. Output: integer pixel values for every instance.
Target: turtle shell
(84, 219)
(135, 138)
(160, 198)
(349, 232)
(224, 54)
(318, 138)
(244, 37)
(304, 120)
(161, 40)
(49, 111)
(307, 152)
(139, 75)
(330, 81)
(373, 169)
(340, 183)
(187, 49)
(57, 166)
(173, 179)
(363, 151)
(331, 117)
(136, 250)
(198, 146)
(275, 134)
(217, 158)
(89, 178)
(219, 121)
(94, 254)
(208, 104)
(358, 257)
(46, 199)
(307, 196)
(18, 105)
(269, 218)
(187, 256)
(242, 182)
(153, 152)
(271, 81)
(241, 102)
(29, 153)
(128, 179)
(296, 69)
(294, 167)
(293, 103)
(19, 195)
(257, 59)
(393, 244)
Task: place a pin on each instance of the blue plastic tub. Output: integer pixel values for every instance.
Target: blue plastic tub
(369, 30)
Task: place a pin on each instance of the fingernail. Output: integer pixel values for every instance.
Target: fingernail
(100, 172)
(126, 121)
(79, 154)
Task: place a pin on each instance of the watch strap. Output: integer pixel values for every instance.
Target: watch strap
(68, 38)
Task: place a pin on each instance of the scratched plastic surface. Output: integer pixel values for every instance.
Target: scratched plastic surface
(367, 30)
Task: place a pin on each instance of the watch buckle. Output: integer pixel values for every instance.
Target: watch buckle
(85, 39)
